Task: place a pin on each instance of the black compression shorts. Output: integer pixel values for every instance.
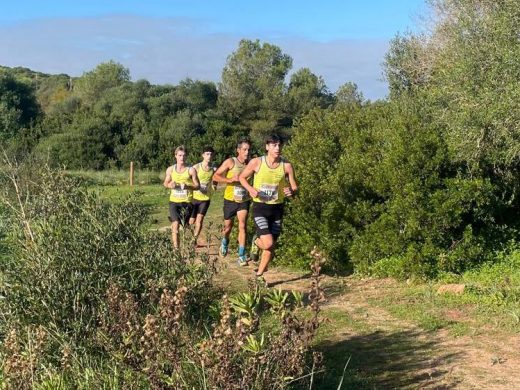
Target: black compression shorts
(268, 218)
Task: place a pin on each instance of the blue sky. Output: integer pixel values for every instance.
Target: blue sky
(166, 41)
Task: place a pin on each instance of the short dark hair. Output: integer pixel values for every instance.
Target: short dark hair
(243, 140)
(208, 148)
(273, 139)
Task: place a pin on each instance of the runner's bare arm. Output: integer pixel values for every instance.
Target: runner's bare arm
(220, 174)
(194, 179)
(293, 187)
(168, 182)
(248, 171)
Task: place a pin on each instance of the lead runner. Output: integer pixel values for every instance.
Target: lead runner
(274, 180)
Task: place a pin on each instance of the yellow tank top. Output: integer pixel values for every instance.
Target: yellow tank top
(181, 193)
(235, 192)
(269, 182)
(205, 191)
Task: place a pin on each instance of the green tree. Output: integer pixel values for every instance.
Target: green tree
(18, 105)
(306, 91)
(252, 87)
(91, 85)
(348, 94)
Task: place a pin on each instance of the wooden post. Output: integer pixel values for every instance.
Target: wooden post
(131, 173)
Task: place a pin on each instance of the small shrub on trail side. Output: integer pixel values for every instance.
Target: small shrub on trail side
(236, 354)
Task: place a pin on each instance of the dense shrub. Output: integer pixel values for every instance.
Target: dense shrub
(68, 246)
(378, 182)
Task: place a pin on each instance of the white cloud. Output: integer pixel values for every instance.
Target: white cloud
(167, 50)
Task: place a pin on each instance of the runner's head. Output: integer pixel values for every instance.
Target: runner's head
(243, 149)
(180, 154)
(207, 154)
(273, 145)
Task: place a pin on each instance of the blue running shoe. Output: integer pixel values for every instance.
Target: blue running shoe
(242, 260)
(223, 249)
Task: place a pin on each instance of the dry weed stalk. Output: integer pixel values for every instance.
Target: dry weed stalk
(22, 355)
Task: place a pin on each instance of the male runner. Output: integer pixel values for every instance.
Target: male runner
(202, 196)
(182, 180)
(270, 187)
(236, 198)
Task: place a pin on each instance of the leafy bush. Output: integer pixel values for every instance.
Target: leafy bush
(70, 246)
(377, 182)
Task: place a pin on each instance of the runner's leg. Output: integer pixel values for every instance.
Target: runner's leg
(265, 242)
(175, 234)
(242, 236)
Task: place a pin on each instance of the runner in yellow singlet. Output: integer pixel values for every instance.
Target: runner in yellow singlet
(182, 180)
(273, 181)
(202, 196)
(236, 199)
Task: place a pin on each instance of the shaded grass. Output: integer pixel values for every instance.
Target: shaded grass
(399, 359)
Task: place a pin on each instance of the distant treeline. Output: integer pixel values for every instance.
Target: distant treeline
(103, 120)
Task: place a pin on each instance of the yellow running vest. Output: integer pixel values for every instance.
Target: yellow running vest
(235, 192)
(269, 182)
(180, 194)
(205, 190)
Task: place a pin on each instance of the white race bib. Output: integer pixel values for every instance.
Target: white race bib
(268, 192)
(239, 193)
(179, 192)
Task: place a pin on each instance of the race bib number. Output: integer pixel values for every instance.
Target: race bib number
(179, 192)
(239, 193)
(268, 192)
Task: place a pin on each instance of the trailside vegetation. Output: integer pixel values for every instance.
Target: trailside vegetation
(91, 297)
(426, 182)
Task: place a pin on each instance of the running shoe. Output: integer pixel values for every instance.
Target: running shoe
(242, 260)
(223, 249)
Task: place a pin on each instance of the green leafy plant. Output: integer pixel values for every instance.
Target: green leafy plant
(277, 299)
(253, 344)
(245, 304)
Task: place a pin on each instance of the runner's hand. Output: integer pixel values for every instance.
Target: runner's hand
(288, 191)
(172, 185)
(253, 193)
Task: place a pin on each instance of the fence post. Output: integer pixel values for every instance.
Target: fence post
(131, 173)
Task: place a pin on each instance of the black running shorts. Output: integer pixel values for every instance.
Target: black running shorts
(199, 207)
(268, 218)
(232, 208)
(180, 212)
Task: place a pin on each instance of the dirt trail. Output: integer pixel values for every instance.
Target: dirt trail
(390, 352)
